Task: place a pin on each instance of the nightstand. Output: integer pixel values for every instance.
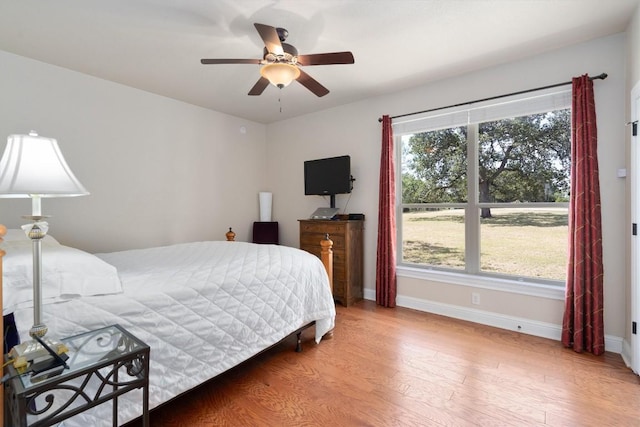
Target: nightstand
(266, 232)
(103, 364)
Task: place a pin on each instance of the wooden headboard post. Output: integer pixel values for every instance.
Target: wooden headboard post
(326, 255)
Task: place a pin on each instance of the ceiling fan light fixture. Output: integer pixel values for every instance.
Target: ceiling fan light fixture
(280, 62)
(280, 74)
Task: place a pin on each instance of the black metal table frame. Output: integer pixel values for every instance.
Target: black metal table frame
(20, 401)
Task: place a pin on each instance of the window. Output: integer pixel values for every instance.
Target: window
(485, 190)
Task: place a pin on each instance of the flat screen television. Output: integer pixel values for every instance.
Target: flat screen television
(328, 177)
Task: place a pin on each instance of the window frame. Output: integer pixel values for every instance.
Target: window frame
(472, 274)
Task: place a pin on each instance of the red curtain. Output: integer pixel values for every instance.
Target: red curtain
(583, 324)
(386, 252)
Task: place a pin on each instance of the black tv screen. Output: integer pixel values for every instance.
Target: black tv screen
(327, 176)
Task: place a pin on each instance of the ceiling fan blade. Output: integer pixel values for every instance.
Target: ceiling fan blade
(270, 38)
(231, 61)
(312, 84)
(326, 58)
(259, 87)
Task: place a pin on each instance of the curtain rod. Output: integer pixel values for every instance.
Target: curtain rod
(600, 77)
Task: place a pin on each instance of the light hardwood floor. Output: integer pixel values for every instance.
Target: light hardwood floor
(400, 367)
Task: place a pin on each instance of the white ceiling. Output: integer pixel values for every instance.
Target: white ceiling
(156, 45)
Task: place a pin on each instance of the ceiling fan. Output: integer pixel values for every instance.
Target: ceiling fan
(281, 62)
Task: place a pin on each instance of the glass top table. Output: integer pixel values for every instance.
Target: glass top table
(102, 365)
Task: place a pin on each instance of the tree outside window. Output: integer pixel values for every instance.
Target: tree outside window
(517, 171)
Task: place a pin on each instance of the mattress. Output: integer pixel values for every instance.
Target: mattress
(202, 307)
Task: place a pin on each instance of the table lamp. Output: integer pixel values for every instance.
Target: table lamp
(33, 167)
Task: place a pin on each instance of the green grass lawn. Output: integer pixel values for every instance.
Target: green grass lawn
(520, 242)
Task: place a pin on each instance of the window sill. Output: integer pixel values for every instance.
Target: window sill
(483, 282)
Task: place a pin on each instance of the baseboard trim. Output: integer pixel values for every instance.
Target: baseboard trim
(526, 326)
(626, 353)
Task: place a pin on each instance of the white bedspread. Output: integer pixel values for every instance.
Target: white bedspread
(202, 307)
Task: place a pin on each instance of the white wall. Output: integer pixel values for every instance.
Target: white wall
(633, 50)
(159, 171)
(354, 129)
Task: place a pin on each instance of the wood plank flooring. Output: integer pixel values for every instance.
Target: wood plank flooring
(400, 367)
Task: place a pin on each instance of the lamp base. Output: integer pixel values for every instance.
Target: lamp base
(39, 330)
(32, 349)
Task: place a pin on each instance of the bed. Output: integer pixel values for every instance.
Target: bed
(202, 307)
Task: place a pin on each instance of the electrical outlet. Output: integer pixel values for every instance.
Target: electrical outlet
(475, 298)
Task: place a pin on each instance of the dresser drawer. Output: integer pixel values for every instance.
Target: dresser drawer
(339, 261)
(311, 249)
(339, 287)
(323, 227)
(339, 272)
(339, 258)
(313, 239)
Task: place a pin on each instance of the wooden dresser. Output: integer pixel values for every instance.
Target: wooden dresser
(347, 254)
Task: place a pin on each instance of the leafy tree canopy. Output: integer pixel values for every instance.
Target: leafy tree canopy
(523, 159)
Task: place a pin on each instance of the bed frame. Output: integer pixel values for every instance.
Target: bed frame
(326, 257)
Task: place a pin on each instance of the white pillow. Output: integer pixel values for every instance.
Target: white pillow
(66, 273)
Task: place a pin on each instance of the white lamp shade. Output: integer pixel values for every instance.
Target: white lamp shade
(34, 166)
